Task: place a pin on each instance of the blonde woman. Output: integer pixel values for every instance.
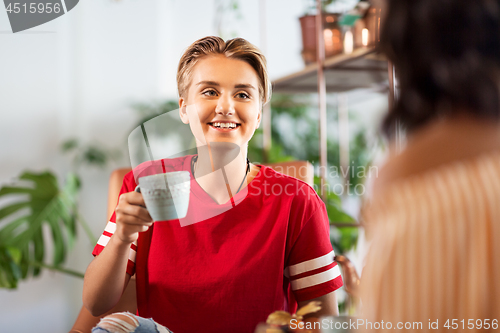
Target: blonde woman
(262, 252)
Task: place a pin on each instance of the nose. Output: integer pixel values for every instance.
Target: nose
(225, 106)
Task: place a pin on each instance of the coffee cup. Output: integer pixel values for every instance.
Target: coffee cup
(166, 195)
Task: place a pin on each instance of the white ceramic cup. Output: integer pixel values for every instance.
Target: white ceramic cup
(166, 194)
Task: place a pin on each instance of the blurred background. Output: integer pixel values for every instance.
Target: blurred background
(71, 91)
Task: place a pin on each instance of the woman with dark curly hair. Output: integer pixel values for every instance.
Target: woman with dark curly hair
(435, 219)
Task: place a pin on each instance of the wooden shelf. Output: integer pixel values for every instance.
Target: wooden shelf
(360, 69)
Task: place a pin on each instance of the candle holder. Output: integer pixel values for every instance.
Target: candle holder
(332, 34)
(342, 33)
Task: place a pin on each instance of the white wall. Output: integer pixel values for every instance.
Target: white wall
(76, 76)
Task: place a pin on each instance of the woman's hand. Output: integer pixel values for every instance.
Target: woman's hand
(105, 278)
(131, 217)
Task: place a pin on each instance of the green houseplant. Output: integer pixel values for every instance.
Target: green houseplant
(36, 201)
(39, 201)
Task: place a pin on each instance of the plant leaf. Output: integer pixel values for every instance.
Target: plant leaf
(69, 144)
(10, 272)
(12, 208)
(23, 245)
(57, 237)
(9, 230)
(10, 190)
(39, 250)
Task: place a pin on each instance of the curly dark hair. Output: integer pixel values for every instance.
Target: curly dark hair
(447, 58)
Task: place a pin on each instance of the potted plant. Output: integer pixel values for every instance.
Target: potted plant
(331, 31)
(359, 20)
(35, 201)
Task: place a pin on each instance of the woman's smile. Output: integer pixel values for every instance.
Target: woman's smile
(224, 126)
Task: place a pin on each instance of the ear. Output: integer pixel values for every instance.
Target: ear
(259, 118)
(183, 110)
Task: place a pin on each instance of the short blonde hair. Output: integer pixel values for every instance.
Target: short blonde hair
(237, 48)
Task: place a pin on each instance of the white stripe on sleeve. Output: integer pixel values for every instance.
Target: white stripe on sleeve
(316, 279)
(131, 255)
(103, 240)
(110, 227)
(310, 265)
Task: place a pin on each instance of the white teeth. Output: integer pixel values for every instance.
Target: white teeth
(224, 125)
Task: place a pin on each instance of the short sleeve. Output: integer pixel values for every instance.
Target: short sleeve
(128, 185)
(310, 267)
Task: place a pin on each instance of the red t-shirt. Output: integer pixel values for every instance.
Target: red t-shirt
(229, 272)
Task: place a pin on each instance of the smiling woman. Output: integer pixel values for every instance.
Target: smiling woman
(246, 251)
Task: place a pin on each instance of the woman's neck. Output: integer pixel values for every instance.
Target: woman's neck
(221, 170)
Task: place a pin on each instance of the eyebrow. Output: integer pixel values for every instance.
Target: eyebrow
(213, 83)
